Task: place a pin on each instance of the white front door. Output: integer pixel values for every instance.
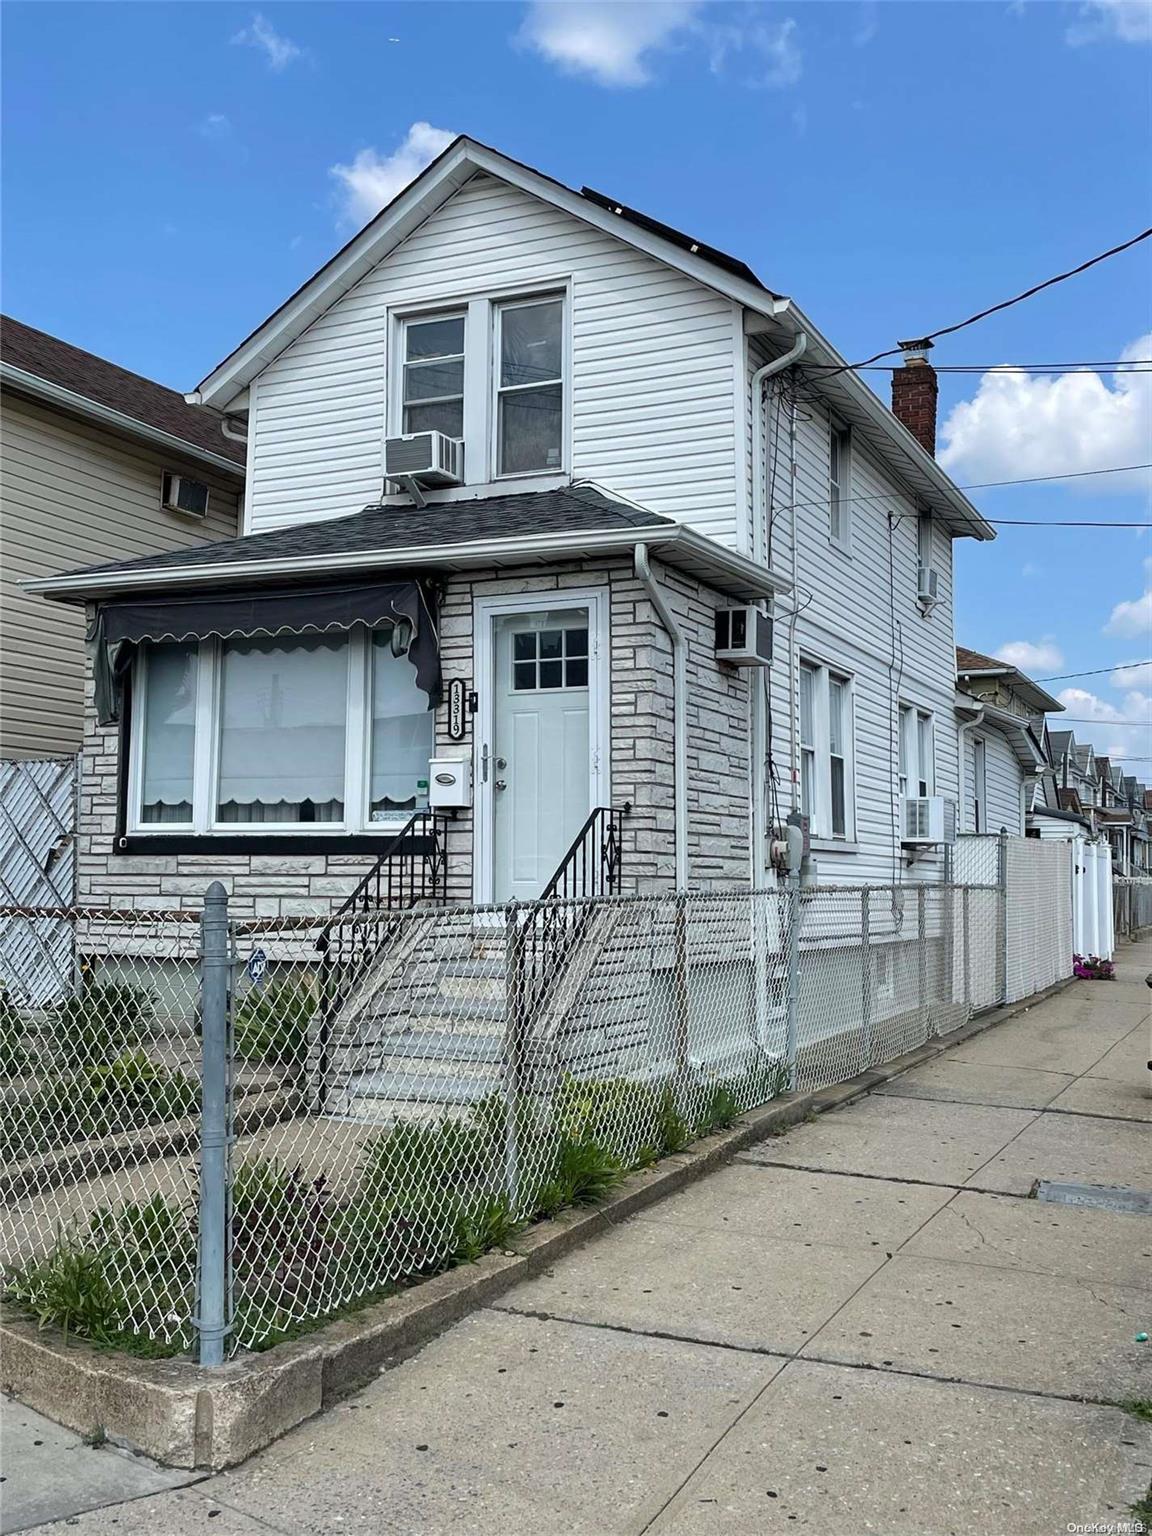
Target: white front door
(541, 764)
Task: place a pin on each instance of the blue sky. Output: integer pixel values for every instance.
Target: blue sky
(172, 171)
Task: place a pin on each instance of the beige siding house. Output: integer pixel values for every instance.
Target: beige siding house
(91, 453)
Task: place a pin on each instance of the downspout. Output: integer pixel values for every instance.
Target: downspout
(761, 549)
(961, 731)
(679, 708)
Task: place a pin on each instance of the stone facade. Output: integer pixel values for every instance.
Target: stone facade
(641, 737)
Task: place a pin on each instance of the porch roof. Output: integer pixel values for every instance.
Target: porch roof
(539, 527)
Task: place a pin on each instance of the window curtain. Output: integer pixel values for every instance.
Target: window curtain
(119, 626)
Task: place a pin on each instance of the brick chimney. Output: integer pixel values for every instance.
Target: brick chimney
(914, 390)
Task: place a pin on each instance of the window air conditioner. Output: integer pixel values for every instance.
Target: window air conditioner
(928, 586)
(180, 494)
(424, 458)
(928, 821)
(743, 636)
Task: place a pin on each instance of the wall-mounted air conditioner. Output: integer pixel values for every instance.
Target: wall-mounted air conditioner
(180, 494)
(927, 821)
(743, 636)
(426, 459)
(928, 586)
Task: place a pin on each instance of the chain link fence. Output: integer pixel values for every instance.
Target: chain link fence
(388, 1093)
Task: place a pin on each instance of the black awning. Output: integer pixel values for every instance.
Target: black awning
(120, 626)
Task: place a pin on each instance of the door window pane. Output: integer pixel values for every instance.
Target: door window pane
(283, 709)
(402, 735)
(549, 658)
(169, 727)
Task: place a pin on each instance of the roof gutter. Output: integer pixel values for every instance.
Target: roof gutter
(732, 573)
(82, 405)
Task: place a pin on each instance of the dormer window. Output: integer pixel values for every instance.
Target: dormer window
(434, 375)
(530, 387)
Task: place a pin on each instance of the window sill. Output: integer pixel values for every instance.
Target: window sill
(840, 547)
(550, 480)
(303, 845)
(833, 845)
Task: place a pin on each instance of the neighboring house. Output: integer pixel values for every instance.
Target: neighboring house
(99, 464)
(637, 438)
(1003, 743)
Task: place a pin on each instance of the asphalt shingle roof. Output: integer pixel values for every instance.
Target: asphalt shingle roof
(577, 508)
(152, 404)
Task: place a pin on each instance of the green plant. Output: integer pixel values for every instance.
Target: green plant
(13, 1056)
(99, 1101)
(100, 1021)
(69, 1288)
(272, 1023)
(586, 1172)
(1139, 1408)
(481, 1224)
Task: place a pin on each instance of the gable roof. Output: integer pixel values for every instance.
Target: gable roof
(36, 363)
(507, 530)
(975, 664)
(779, 318)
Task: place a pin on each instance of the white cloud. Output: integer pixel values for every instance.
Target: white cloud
(278, 50)
(1019, 424)
(1132, 619)
(214, 126)
(615, 41)
(1125, 21)
(1082, 705)
(1045, 656)
(1115, 729)
(611, 40)
(372, 180)
(1139, 676)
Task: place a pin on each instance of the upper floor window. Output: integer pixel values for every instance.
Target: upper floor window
(294, 733)
(434, 375)
(924, 540)
(530, 386)
(839, 486)
(180, 494)
(826, 769)
(917, 753)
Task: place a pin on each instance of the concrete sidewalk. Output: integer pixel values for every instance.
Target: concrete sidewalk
(863, 1325)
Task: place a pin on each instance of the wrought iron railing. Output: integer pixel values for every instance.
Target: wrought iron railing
(412, 871)
(543, 942)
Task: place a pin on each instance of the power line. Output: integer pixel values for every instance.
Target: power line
(1128, 365)
(1120, 666)
(1043, 522)
(993, 309)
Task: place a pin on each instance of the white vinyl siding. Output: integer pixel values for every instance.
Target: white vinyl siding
(654, 360)
(75, 495)
(888, 647)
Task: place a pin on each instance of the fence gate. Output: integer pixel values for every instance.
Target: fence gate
(37, 869)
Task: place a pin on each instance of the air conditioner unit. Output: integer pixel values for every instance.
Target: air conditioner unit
(928, 821)
(180, 494)
(928, 586)
(743, 636)
(424, 458)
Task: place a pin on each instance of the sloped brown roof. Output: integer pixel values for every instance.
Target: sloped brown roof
(973, 661)
(96, 379)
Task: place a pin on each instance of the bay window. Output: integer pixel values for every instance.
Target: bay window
(827, 787)
(298, 734)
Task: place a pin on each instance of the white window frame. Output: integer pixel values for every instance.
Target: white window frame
(911, 775)
(206, 756)
(839, 486)
(925, 536)
(403, 363)
(979, 784)
(481, 370)
(820, 814)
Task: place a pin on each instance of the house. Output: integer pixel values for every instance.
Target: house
(1004, 745)
(536, 484)
(99, 464)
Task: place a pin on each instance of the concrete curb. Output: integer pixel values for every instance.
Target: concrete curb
(186, 1416)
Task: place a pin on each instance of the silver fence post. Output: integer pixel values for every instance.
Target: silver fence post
(922, 955)
(515, 1008)
(212, 1322)
(866, 975)
(794, 836)
(1002, 911)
